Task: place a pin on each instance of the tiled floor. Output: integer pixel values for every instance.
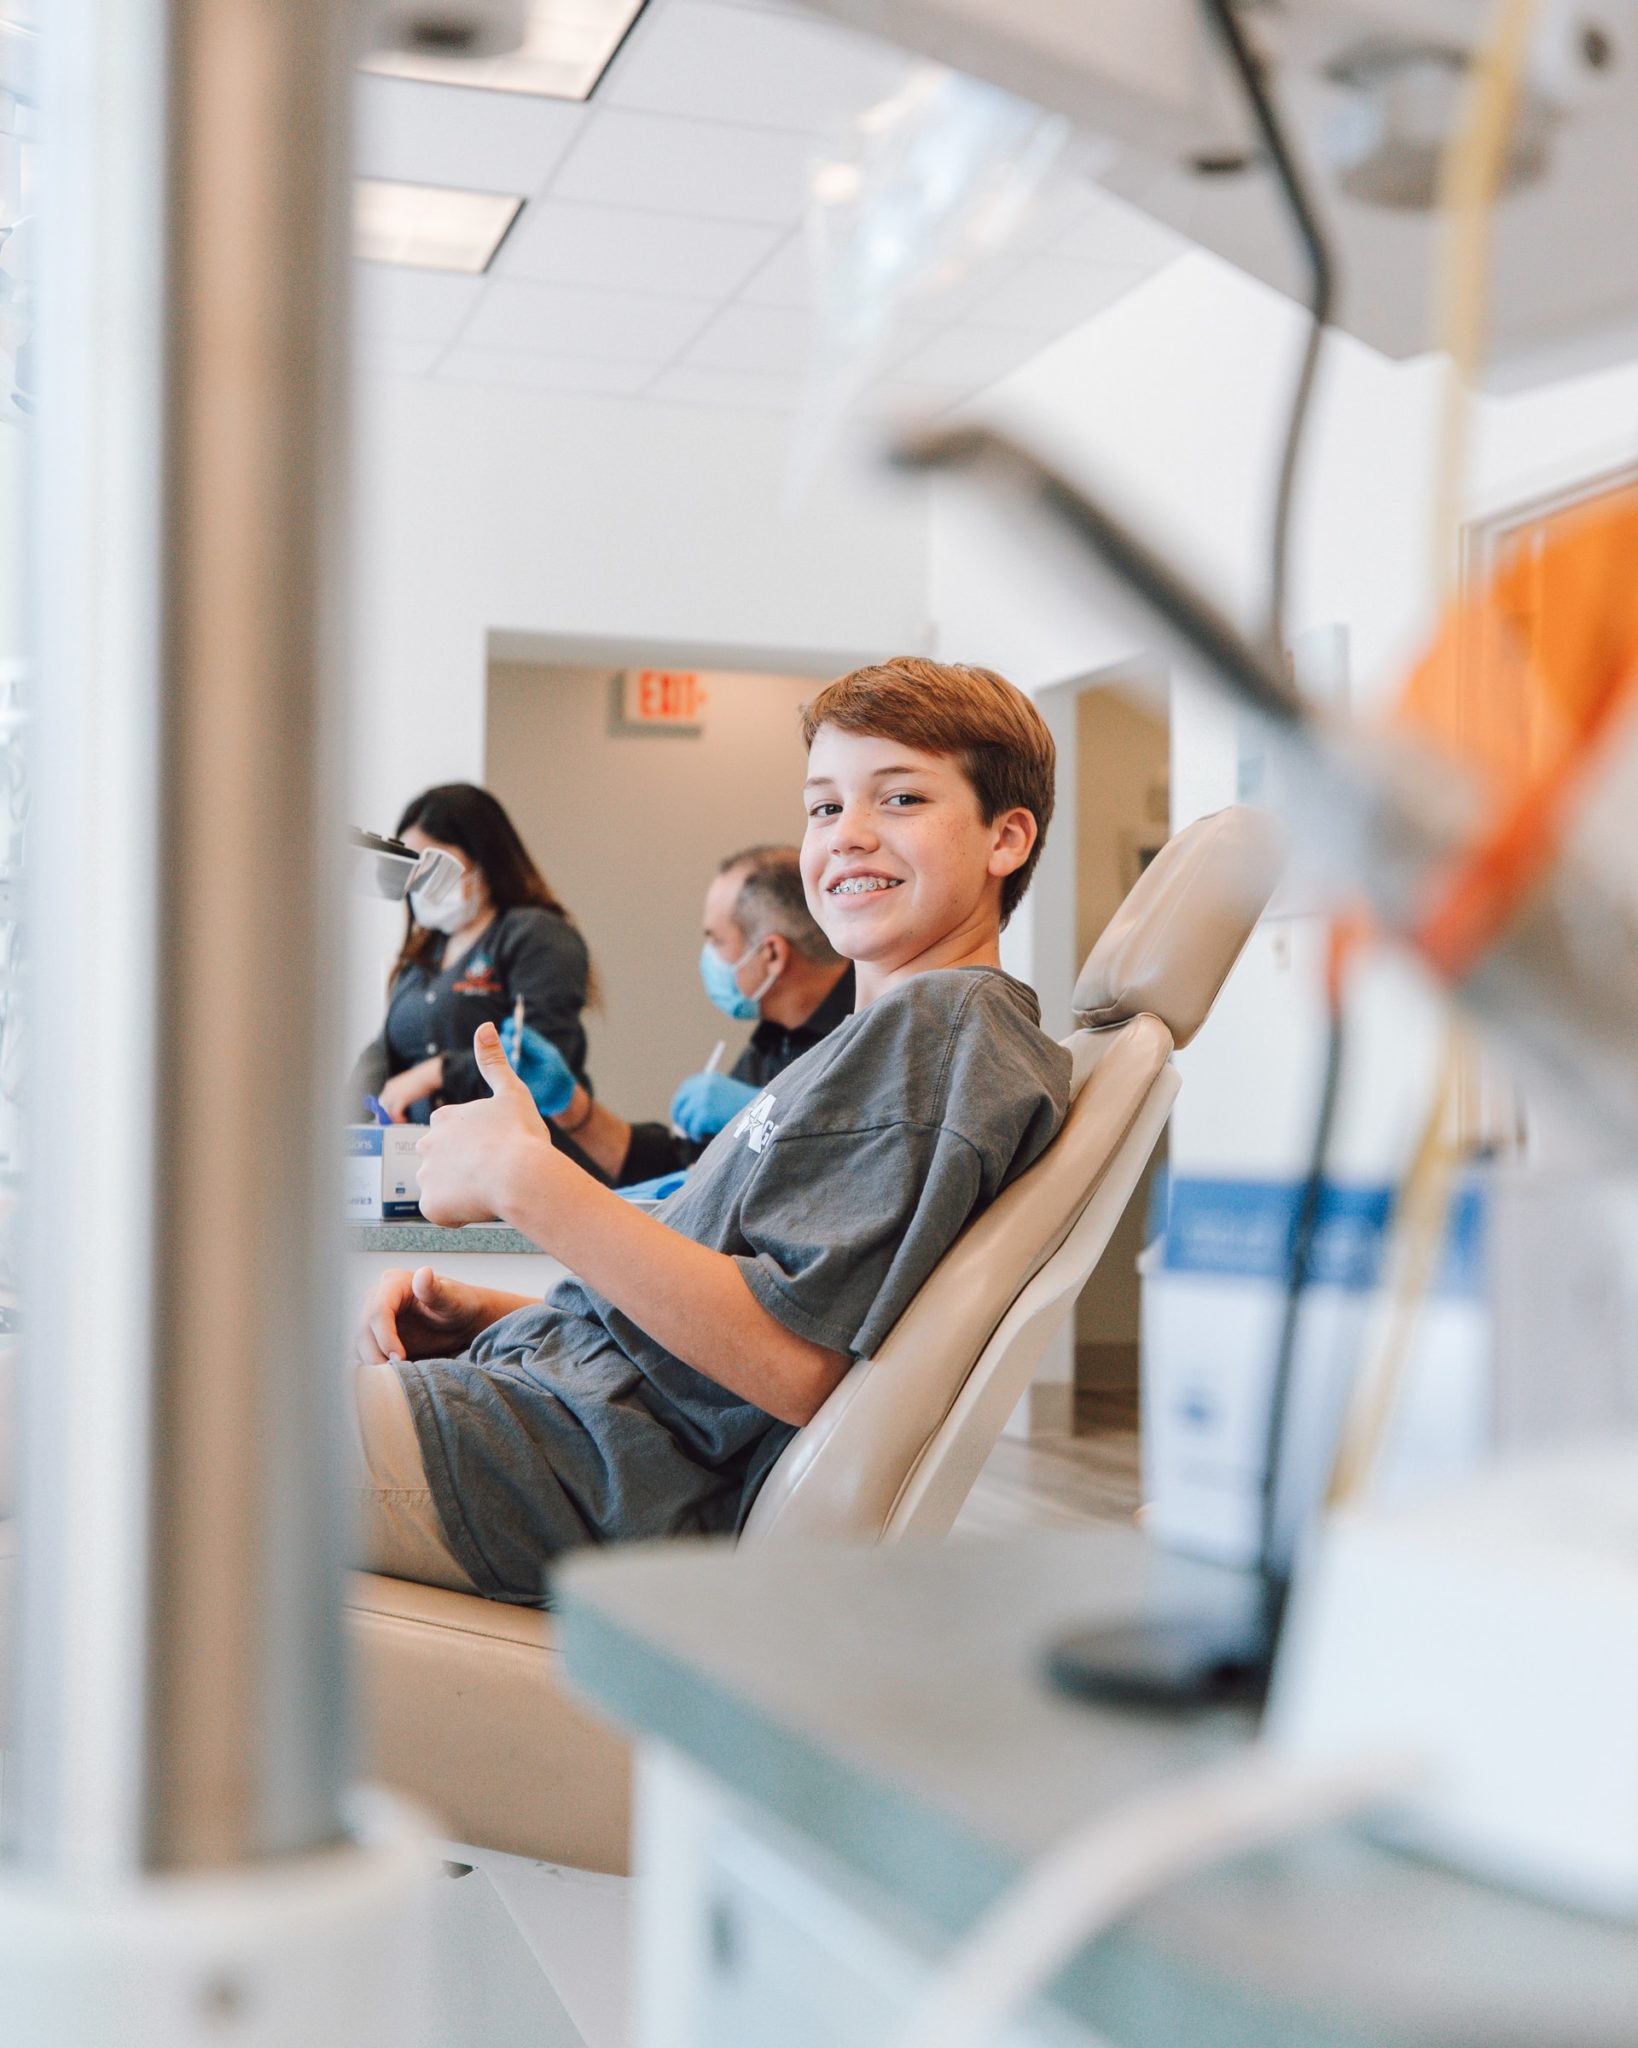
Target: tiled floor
(1059, 1482)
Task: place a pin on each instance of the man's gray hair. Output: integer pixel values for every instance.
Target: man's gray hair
(771, 899)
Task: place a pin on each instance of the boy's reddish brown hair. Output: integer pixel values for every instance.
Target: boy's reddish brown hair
(982, 721)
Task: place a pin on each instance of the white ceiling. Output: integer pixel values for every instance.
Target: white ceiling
(660, 251)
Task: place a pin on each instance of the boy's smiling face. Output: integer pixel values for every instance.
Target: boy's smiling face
(901, 871)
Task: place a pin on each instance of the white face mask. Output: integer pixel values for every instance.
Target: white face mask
(449, 912)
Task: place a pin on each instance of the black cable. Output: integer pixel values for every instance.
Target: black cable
(1321, 293)
(1273, 1570)
(1259, 680)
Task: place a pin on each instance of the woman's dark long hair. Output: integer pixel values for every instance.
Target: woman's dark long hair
(461, 815)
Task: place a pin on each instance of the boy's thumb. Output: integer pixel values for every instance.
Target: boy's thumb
(491, 1056)
(427, 1287)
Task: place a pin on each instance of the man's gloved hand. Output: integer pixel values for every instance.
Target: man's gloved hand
(706, 1102)
(539, 1066)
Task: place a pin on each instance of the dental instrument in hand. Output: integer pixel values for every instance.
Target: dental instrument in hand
(538, 1064)
(710, 1067)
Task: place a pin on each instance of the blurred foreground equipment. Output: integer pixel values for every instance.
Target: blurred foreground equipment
(1523, 896)
(1370, 90)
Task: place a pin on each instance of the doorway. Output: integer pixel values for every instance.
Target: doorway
(1122, 819)
(629, 822)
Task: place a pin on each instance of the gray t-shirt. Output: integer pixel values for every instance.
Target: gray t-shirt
(836, 1193)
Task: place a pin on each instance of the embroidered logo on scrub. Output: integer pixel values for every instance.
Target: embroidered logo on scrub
(757, 1126)
(480, 979)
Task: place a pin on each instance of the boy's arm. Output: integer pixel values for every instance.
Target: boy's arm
(482, 1159)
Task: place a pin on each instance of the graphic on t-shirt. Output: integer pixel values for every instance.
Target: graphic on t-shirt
(757, 1126)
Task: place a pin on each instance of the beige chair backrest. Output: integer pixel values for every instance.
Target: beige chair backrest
(898, 1444)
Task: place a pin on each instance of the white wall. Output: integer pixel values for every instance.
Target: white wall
(586, 529)
(630, 827)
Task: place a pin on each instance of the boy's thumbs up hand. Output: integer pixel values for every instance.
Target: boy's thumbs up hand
(493, 1064)
(474, 1153)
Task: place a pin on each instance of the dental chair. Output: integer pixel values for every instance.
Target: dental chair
(464, 1701)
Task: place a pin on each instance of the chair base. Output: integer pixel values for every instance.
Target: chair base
(465, 1712)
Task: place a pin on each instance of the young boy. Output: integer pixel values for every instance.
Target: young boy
(652, 1393)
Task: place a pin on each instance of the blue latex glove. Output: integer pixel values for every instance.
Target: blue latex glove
(539, 1066)
(705, 1102)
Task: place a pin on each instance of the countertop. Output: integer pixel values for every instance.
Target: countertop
(887, 1705)
(430, 1240)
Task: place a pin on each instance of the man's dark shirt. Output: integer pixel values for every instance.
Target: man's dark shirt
(770, 1049)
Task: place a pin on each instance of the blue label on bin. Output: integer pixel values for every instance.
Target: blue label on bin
(1246, 1227)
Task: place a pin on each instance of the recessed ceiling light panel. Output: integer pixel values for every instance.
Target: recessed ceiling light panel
(565, 52)
(429, 227)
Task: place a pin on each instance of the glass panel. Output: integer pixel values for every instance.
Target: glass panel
(18, 249)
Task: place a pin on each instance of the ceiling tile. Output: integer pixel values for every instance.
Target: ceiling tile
(965, 358)
(669, 166)
(444, 135)
(412, 305)
(378, 356)
(517, 366)
(571, 321)
(1057, 205)
(729, 388)
(947, 298)
(618, 249)
(900, 402)
(716, 63)
(1048, 295)
(786, 279)
(760, 338)
(1112, 232)
(887, 404)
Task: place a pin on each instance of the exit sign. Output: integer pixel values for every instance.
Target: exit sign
(671, 697)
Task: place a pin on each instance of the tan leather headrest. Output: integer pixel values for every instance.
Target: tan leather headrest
(1168, 949)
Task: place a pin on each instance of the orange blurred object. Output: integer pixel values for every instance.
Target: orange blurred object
(1523, 685)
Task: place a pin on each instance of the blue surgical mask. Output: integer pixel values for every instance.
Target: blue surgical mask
(718, 975)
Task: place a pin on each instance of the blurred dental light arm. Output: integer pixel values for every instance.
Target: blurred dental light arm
(1380, 816)
(1371, 90)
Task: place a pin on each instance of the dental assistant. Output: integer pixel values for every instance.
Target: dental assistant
(763, 957)
(469, 958)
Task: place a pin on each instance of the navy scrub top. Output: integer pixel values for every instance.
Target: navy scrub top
(530, 952)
